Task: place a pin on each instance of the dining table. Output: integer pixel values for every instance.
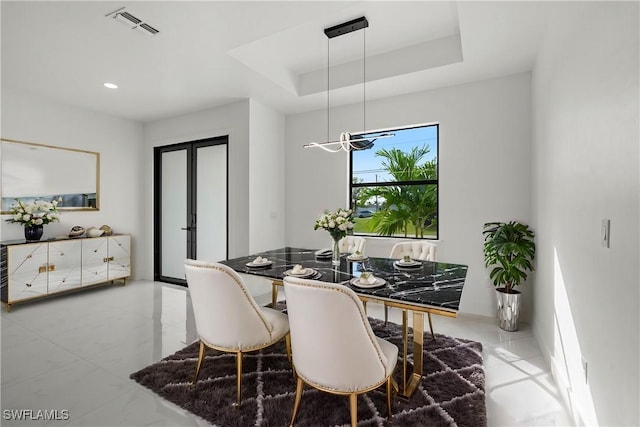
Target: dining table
(416, 286)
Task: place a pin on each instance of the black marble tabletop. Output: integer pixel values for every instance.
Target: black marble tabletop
(435, 284)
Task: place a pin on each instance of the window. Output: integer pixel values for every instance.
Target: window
(394, 184)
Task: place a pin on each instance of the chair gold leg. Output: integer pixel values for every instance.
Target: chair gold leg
(287, 343)
(200, 357)
(353, 404)
(287, 340)
(296, 403)
(389, 396)
(364, 304)
(239, 375)
(433, 336)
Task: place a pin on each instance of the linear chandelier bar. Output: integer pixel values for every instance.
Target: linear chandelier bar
(347, 27)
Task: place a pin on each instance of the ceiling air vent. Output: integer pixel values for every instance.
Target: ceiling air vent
(148, 28)
(132, 22)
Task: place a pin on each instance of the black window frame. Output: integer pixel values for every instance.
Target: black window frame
(400, 183)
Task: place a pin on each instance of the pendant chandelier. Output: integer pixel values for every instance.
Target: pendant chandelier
(347, 141)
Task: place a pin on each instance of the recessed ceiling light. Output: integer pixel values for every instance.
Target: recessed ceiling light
(111, 85)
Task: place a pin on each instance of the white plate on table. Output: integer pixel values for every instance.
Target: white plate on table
(307, 272)
(258, 264)
(353, 257)
(407, 264)
(364, 284)
(324, 253)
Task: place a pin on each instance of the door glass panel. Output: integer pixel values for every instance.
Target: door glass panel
(211, 199)
(174, 213)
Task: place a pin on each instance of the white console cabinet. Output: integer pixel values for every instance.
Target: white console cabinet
(36, 270)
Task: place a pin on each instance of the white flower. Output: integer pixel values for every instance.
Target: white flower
(37, 212)
(337, 223)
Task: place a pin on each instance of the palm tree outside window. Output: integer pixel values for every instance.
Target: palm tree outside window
(394, 185)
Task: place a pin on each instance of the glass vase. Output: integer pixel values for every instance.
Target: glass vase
(335, 252)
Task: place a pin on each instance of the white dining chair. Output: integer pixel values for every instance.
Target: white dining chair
(351, 244)
(417, 249)
(423, 250)
(332, 344)
(227, 317)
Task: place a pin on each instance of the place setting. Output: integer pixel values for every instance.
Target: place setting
(323, 254)
(259, 262)
(357, 256)
(367, 280)
(407, 264)
(304, 273)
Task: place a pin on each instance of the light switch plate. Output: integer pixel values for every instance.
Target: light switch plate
(605, 231)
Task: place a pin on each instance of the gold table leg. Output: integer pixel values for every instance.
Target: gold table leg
(274, 294)
(408, 387)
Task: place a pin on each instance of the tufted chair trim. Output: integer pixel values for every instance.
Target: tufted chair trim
(418, 249)
(350, 244)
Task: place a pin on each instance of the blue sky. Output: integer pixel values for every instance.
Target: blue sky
(367, 166)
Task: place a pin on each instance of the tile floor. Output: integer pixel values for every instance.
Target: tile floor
(74, 353)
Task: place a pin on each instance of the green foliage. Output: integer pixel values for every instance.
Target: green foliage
(509, 248)
(405, 207)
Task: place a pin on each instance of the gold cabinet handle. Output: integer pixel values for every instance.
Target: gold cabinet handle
(46, 267)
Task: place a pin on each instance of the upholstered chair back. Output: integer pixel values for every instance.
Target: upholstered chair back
(332, 344)
(350, 244)
(416, 249)
(226, 314)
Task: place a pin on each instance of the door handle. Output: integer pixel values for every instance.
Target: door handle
(186, 228)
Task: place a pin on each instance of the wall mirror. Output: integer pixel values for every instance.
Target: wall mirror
(36, 171)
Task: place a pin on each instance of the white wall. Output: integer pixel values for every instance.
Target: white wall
(35, 119)
(485, 147)
(585, 92)
(266, 178)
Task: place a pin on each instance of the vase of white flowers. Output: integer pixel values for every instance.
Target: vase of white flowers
(33, 216)
(338, 224)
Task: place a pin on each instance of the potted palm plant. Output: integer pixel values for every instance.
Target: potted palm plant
(509, 250)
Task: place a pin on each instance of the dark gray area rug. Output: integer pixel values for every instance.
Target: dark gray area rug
(451, 392)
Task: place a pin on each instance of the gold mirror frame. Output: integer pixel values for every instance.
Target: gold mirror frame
(29, 168)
